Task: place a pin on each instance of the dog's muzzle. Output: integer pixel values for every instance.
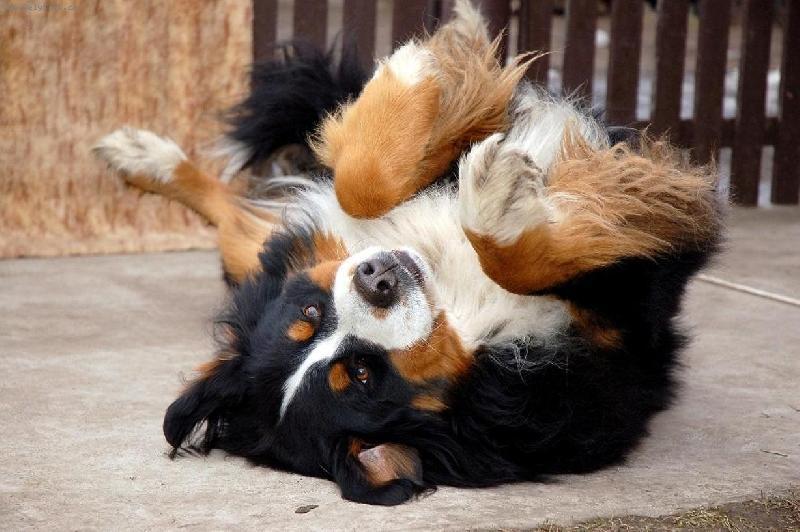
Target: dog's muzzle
(382, 278)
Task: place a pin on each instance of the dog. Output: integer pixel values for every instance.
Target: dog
(479, 287)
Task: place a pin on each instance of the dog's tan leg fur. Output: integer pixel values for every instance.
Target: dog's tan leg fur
(157, 165)
(426, 103)
(598, 206)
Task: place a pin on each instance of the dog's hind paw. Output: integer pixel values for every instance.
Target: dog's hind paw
(501, 191)
(140, 155)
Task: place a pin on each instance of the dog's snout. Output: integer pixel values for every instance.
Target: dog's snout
(376, 280)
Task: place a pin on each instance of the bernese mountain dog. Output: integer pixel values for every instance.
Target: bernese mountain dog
(474, 282)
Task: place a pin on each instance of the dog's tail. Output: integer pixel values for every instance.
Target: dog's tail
(289, 97)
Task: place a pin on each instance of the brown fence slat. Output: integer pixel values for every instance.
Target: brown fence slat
(685, 132)
(497, 13)
(712, 49)
(446, 9)
(623, 62)
(359, 25)
(579, 50)
(409, 17)
(786, 169)
(535, 33)
(670, 52)
(311, 20)
(746, 161)
(265, 21)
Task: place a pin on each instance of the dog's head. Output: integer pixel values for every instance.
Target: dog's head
(331, 365)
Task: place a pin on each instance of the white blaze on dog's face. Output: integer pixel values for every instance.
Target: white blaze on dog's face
(327, 360)
(379, 296)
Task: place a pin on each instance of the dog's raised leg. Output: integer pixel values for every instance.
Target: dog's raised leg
(538, 220)
(423, 106)
(156, 164)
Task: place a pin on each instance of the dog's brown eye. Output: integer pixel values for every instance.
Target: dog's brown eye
(312, 312)
(362, 373)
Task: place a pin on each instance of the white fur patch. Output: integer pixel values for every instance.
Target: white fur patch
(405, 323)
(539, 122)
(322, 350)
(502, 180)
(139, 152)
(468, 21)
(411, 64)
(501, 192)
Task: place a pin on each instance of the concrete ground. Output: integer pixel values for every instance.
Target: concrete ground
(93, 349)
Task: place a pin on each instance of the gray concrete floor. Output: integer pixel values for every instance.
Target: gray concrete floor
(93, 349)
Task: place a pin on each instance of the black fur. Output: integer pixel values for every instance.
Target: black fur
(291, 95)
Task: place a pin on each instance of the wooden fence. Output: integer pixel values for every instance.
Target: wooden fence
(704, 133)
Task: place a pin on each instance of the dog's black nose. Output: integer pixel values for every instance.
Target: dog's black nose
(376, 280)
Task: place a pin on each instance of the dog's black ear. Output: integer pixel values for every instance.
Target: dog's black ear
(216, 390)
(387, 474)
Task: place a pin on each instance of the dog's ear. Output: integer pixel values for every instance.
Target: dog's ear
(218, 388)
(387, 474)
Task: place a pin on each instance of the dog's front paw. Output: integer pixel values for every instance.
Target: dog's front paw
(501, 191)
(143, 158)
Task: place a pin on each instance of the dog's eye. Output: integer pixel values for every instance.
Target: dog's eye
(362, 373)
(312, 312)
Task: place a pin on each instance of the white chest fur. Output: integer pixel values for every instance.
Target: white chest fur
(479, 309)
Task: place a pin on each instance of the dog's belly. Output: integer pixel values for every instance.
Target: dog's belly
(482, 311)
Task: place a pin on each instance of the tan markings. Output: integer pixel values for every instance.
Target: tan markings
(612, 204)
(437, 119)
(373, 172)
(430, 403)
(208, 369)
(324, 274)
(242, 230)
(328, 247)
(338, 378)
(300, 331)
(222, 207)
(440, 356)
(595, 328)
(354, 447)
(379, 313)
(389, 461)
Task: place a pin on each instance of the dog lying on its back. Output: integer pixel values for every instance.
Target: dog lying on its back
(480, 288)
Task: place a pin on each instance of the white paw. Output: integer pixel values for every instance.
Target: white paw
(136, 152)
(501, 191)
